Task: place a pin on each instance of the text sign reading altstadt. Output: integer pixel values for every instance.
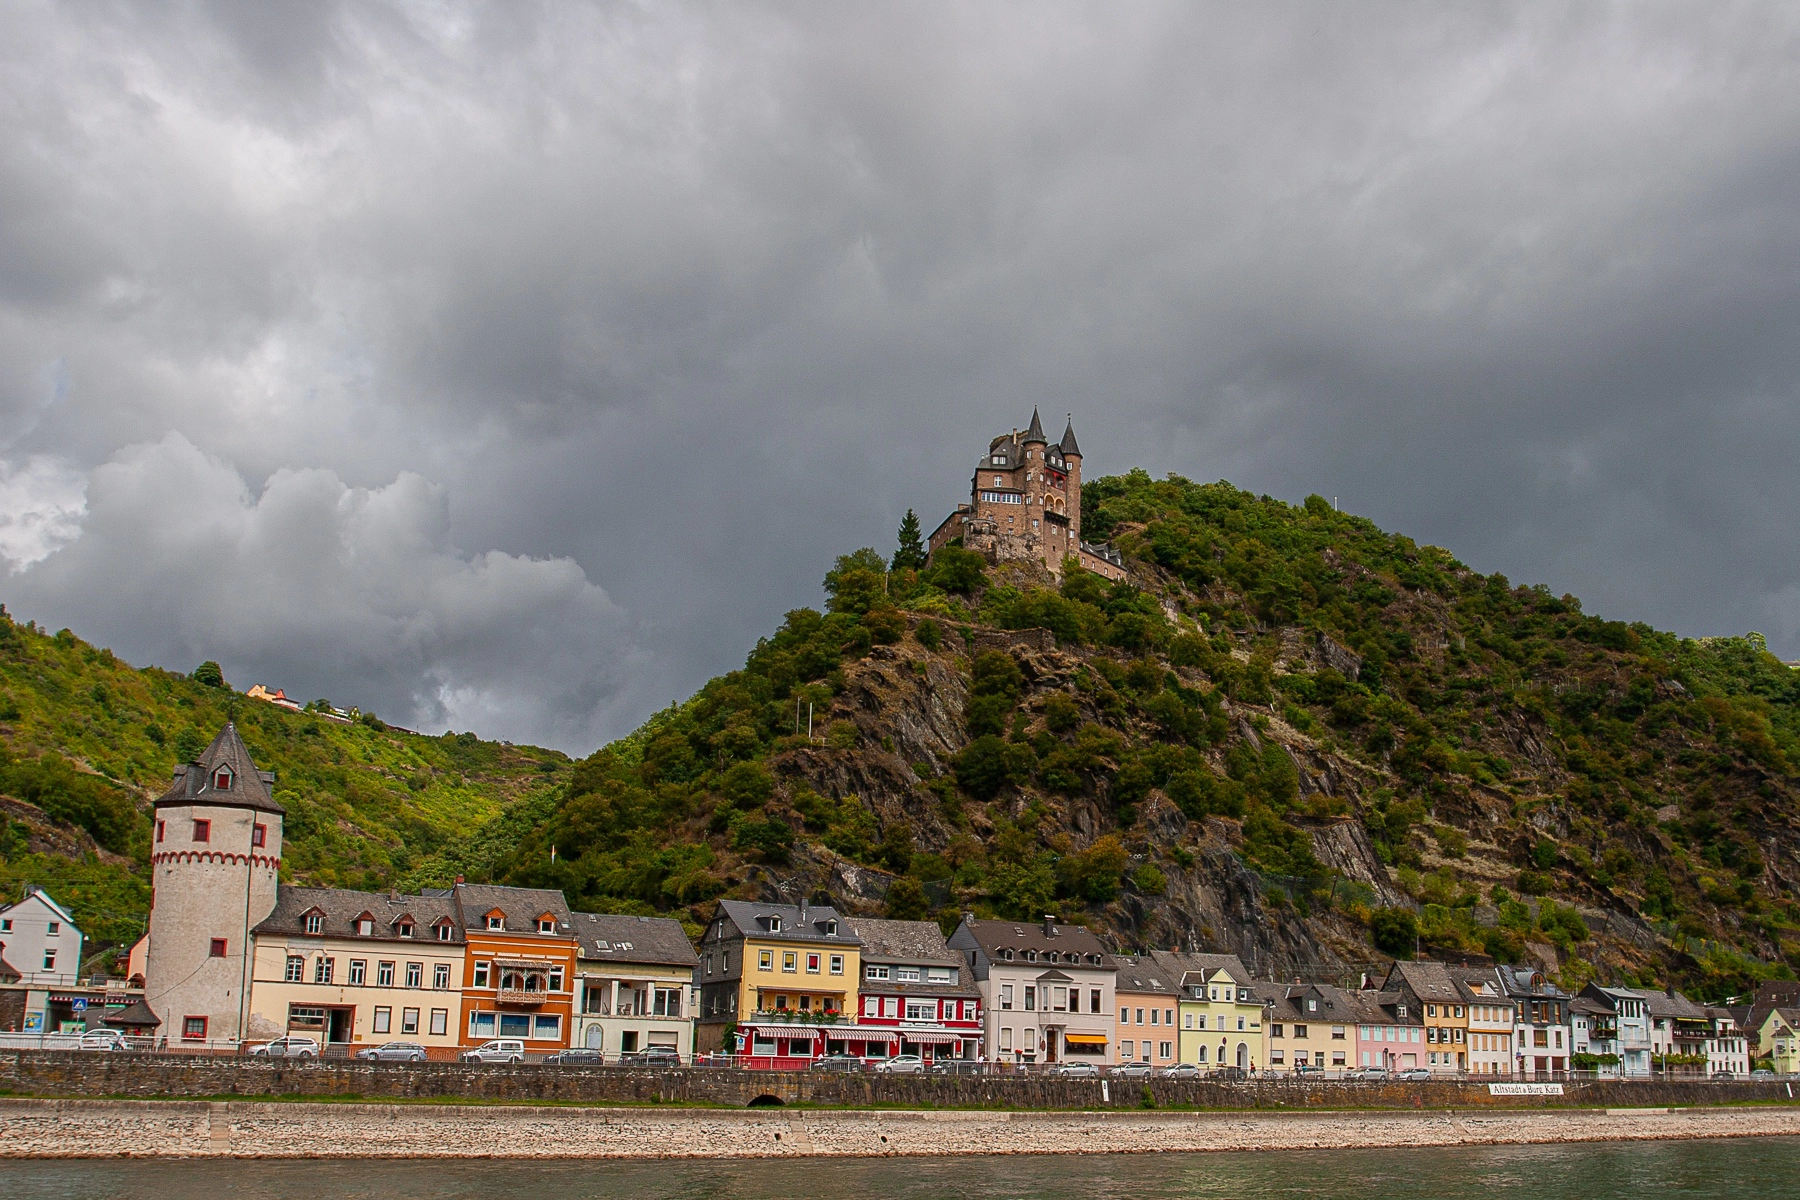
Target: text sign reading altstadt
(1525, 1089)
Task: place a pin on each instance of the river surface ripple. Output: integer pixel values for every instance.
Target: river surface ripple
(1765, 1168)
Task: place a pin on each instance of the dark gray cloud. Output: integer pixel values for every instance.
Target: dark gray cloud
(529, 360)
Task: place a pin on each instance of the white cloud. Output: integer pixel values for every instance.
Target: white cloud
(356, 594)
(41, 506)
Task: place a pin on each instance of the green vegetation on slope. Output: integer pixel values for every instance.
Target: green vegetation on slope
(91, 740)
(1587, 761)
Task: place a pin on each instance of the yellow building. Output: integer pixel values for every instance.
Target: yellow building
(357, 969)
(780, 977)
(1221, 1016)
(1779, 1038)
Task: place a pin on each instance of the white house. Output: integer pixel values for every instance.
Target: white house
(1046, 990)
(40, 940)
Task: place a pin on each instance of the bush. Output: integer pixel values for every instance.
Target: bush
(955, 569)
(1533, 883)
(1093, 874)
(1396, 930)
(984, 767)
(746, 785)
(906, 900)
(770, 838)
(1149, 880)
(1060, 713)
(843, 736)
(929, 634)
(885, 625)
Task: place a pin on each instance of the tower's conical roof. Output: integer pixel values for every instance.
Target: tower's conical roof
(1068, 444)
(1036, 432)
(198, 782)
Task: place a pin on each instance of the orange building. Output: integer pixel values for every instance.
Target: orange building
(519, 971)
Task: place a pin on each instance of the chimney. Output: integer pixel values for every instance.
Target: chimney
(968, 918)
(803, 910)
(459, 880)
(1049, 925)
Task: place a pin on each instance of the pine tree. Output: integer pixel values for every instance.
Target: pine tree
(911, 554)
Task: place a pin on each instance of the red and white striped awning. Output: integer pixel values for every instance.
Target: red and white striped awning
(931, 1037)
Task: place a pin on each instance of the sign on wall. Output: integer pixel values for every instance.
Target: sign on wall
(1525, 1089)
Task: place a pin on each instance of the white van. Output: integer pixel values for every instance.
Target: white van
(505, 1050)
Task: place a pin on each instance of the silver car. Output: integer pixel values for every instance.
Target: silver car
(104, 1039)
(500, 1050)
(901, 1064)
(1075, 1070)
(393, 1052)
(288, 1047)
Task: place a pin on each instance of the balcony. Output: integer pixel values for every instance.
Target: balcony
(518, 997)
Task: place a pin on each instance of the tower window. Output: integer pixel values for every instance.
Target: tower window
(159, 830)
(218, 948)
(259, 835)
(203, 831)
(222, 779)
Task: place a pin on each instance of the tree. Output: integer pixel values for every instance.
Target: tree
(208, 673)
(1396, 930)
(856, 582)
(906, 900)
(911, 552)
(958, 570)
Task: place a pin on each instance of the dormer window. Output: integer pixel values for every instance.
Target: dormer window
(404, 929)
(831, 929)
(774, 924)
(315, 922)
(365, 926)
(496, 921)
(1007, 955)
(445, 931)
(222, 779)
(1031, 956)
(546, 924)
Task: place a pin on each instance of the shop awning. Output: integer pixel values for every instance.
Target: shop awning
(933, 1037)
(787, 1029)
(1085, 1039)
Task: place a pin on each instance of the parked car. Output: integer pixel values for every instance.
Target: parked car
(288, 1047)
(651, 1056)
(393, 1052)
(1762, 1073)
(1075, 1070)
(840, 1064)
(1231, 1074)
(1368, 1073)
(959, 1066)
(1181, 1071)
(1723, 1076)
(104, 1039)
(577, 1054)
(1132, 1070)
(501, 1050)
(901, 1064)
(1414, 1075)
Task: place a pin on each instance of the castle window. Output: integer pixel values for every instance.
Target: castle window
(222, 778)
(203, 831)
(159, 830)
(217, 949)
(259, 835)
(998, 481)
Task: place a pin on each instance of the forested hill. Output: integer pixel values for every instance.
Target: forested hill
(88, 741)
(1293, 736)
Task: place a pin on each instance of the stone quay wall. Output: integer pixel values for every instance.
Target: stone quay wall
(251, 1129)
(94, 1074)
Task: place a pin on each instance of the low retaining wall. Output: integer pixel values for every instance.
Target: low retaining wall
(157, 1076)
(186, 1129)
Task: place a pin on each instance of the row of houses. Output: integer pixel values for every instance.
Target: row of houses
(233, 957)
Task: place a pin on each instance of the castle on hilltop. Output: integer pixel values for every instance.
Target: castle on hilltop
(1025, 505)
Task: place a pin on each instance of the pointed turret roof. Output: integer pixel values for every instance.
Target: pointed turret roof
(1068, 444)
(198, 782)
(1036, 432)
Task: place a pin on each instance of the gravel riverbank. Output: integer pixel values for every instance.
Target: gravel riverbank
(197, 1129)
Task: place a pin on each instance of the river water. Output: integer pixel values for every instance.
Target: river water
(1764, 1168)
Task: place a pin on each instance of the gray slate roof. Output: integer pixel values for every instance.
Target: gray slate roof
(341, 908)
(1019, 936)
(797, 924)
(1143, 975)
(615, 937)
(1035, 432)
(194, 783)
(1195, 968)
(520, 907)
(1429, 981)
(903, 942)
(1676, 1006)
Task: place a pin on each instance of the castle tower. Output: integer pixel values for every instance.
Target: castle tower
(1071, 456)
(214, 860)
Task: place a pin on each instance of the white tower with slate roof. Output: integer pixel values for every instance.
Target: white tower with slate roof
(214, 861)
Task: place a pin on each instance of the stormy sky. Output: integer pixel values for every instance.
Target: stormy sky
(512, 367)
